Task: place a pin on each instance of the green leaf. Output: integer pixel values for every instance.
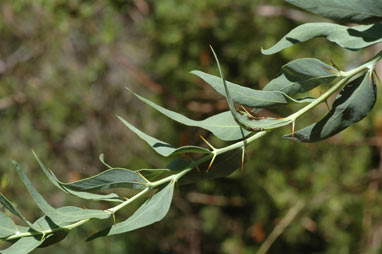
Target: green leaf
(348, 10)
(161, 147)
(28, 244)
(8, 205)
(7, 226)
(64, 214)
(302, 75)
(23, 245)
(82, 194)
(244, 120)
(153, 210)
(352, 104)
(354, 38)
(111, 178)
(222, 125)
(246, 96)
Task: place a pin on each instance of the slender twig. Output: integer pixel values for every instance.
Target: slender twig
(281, 226)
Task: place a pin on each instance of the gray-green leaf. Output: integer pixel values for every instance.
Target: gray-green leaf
(111, 178)
(353, 103)
(161, 147)
(246, 96)
(82, 194)
(153, 210)
(354, 38)
(64, 214)
(23, 245)
(302, 75)
(7, 226)
(8, 205)
(222, 125)
(348, 10)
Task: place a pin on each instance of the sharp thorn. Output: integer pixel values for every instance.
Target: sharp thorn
(293, 125)
(212, 161)
(139, 173)
(205, 141)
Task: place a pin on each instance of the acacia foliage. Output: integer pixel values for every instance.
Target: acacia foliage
(359, 91)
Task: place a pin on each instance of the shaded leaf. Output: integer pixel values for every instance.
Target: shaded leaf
(176, 165)
(54, 238)
(349, 10)
(111, 178)
(82, 194)
(352, 104)
(302, 75)
(47, 224)
(64, 214)
(153, 210)
(354, 38)
(161, 147)
(222, 125)
(223, 166)
(247, 96)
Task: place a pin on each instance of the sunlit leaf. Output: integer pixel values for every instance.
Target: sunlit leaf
(153, 210)
(23, 245)
(64, 214)
(352, 104)
(161, 147)
(7, 226)
(302, 75)
(243, 119)
(348, 10)
(354, 38)
(222, 125)
(246, 96)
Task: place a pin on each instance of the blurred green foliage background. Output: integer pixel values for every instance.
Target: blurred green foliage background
(64, 66)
